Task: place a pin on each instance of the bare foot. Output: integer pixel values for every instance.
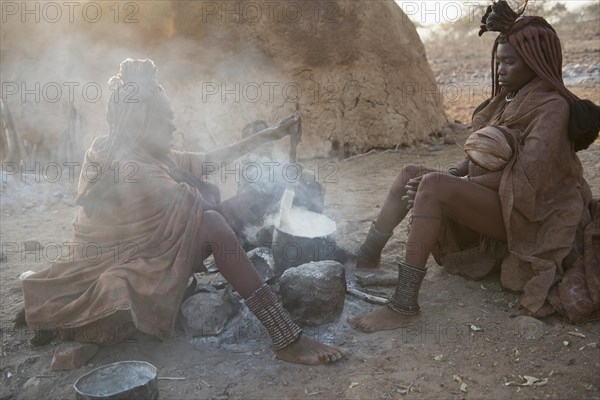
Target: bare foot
(381, 319)
(310, 352)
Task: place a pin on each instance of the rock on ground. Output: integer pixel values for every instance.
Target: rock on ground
(72, 355)
(207, 313)
(314, 293)
(529, 328)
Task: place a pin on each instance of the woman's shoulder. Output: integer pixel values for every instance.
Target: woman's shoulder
(542, 93)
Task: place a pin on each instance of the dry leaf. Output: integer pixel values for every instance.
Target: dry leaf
(438, 357)
(402, 389)
(353, 384)
(463, 386)
(529, 381)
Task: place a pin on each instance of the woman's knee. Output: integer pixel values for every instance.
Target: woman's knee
(431, 186)
(407, 173)
(212, 217)
(411, 171)
(438, 186)
(216, 224)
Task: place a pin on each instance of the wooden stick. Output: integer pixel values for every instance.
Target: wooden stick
(361, 155)
(14, 141)
(295, 139)
(377, 280)
(367, 297)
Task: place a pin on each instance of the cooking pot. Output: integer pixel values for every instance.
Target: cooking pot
(313, 241)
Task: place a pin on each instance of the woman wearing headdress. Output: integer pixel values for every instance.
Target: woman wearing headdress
(146, 223)
(519, 199)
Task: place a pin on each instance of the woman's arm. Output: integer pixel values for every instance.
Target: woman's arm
(229, 153)
(460, 169)
(490, 181)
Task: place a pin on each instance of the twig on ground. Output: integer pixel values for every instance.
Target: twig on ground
(367, 297)
(361, 155)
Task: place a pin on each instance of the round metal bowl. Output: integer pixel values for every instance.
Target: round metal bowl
(120, 380)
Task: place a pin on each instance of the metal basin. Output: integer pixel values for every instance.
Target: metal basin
(119, 381)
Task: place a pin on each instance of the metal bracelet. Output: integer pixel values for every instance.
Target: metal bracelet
(268, 310)
(405, 298)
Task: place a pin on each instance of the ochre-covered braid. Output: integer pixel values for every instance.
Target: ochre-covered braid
(268, 310)
(405, 299)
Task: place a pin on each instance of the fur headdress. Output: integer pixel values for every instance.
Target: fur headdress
(499, 17)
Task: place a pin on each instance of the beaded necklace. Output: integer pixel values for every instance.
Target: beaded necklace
(510, 96)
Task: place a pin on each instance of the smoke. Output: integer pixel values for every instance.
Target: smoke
(217, 78)
(54, 57)
(262, 235)
(304, 223)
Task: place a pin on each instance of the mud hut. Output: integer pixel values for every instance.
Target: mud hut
(356, 71)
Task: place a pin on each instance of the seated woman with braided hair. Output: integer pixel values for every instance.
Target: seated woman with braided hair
(149, 231)
(519, 199)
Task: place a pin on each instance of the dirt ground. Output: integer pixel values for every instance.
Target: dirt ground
(466, 344)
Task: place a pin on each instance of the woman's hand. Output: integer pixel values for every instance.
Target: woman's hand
(461, 169)
(288, 126)
(411, 191)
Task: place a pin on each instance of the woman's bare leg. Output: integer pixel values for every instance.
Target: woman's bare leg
(237, 269)
(394, 208)
(229, 256)
(392, 213)
(470, 204)
(467, 203)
